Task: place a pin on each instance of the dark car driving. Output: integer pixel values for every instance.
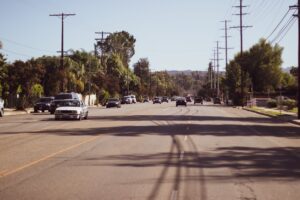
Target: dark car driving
(43, 104)
(165, 99)
(157, 100)
(198, 100)
(217, 100)
(181, 101)
(113, 102)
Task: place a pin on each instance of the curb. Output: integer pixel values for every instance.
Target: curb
(17, 112)
(271, 116)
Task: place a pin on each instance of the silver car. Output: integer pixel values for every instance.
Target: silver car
(71, 109)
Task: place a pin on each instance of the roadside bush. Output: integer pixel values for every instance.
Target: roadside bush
(272, 103)
(103, 97)
(290, 103)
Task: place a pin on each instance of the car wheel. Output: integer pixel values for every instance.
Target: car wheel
(35, 110)
(43, 110)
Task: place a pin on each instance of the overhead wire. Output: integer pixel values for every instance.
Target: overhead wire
(287, 30)
(282, 19)
(283, 29)
(24, 45)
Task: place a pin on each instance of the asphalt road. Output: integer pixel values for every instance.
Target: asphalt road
(150, 152)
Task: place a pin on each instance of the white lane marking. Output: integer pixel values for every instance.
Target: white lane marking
(174, 195)
(185, 138)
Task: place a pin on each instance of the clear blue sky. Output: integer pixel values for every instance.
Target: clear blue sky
(172, 34)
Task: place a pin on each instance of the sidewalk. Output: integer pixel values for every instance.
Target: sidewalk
(13, 111)
(275, 113)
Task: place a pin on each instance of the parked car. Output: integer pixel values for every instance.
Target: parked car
(157, 100)
(165, 99)
(217, 100)
(198, 100)
(43, 104)
(181, 101)
(126, 100)
(60, 97)
(71, 109)
(133, 98)
(113, 102)
(1, 107)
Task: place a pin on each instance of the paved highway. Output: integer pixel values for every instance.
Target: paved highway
(150, 152)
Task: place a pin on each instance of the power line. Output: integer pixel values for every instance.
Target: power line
(24, 45)
(287, 30)
(283, 29)
(282, 19)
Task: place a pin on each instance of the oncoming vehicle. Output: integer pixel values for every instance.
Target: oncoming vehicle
(126, 100)
(217, 100)
(1, 107)
(133, 98)
(165, 99)
(113, 102)
(43, 104)
(198, 100)
(157, 100)
(71, 109)
(181, 101)
(60, 97)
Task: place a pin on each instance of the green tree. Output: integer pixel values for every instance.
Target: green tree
(121, 43)
(262, 63)
(141, 70)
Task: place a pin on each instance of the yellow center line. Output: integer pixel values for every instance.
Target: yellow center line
(10, 172)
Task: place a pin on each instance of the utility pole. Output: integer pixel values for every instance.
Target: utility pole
(226, 51)
(213, 71)
(218, 81)
(218, 69)
(101, 41)
(298, 15)
(226, 42)
(216, 59)
(241, 27)
(62, 16)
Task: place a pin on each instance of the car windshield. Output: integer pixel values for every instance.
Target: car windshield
(69, 104)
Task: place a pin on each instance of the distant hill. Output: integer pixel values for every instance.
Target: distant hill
(189, 72)
(186, 72)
